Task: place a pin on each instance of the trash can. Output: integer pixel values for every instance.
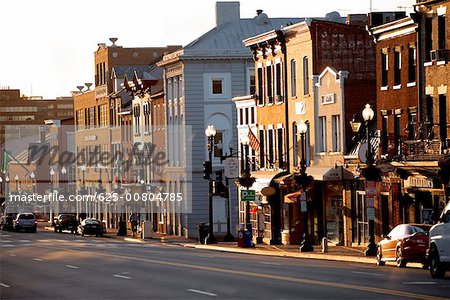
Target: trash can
(248, 239)
(147, 230)
(122, 228)
(202, 232)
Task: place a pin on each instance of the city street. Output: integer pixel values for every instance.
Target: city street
(47, 265)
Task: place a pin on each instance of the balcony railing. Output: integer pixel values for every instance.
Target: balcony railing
(423, 150)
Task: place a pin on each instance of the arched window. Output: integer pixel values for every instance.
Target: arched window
(305, 76)
(293, 78)
(294, 144)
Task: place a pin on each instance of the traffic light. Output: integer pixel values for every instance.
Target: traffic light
(207, 169)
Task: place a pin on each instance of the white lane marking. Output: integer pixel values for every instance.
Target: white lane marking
(270, 263)
(24, 241)
(202, 292)
(38, 259)
(12, 254)
(8, 245)
(367, 273)
(6, 241)
(72, 267)
(419, 282)
(4, 285)
(5, 235)
(121, 276)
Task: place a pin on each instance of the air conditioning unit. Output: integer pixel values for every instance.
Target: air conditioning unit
(438, 55)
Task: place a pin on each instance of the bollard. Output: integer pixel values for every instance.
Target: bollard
(324, 245)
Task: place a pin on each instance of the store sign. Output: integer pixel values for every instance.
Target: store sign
(419, 182)
(370, 213)
(247, 195)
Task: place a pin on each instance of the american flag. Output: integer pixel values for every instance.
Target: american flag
(254, 143)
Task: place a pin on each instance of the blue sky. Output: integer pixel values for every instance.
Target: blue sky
(47, 46)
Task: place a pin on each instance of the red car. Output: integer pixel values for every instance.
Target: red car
(405, 243)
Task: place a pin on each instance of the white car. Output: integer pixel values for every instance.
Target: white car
(25, 221)
(439, 248)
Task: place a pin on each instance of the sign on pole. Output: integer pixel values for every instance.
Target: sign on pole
(231, 167)
(247, 195)
(303, 206)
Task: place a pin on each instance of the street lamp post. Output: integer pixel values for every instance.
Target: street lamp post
(304, 180)
(370, 174)
(52, 173)
(16, 178)
(246, 141)
(210, 132)
(33, 179)
(82, 190)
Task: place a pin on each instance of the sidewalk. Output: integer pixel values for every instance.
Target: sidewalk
(335, 253)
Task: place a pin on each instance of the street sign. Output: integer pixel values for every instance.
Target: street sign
(370, 202)
(231, 167)
(247, 195)
(303, 206)
(370, 213)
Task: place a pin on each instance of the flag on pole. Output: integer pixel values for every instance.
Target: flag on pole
(254, 143)
(6, 160)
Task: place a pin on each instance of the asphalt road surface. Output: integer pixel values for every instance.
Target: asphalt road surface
(49, 265)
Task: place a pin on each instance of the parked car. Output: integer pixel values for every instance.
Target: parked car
(25, 221)
(439, 248)
(65, 222)
(405, 243)
(90, 226)
(6, 223)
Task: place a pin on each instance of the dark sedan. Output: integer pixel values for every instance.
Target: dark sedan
(65, 222)
(90, 226)
(405, 243)
(6, 223)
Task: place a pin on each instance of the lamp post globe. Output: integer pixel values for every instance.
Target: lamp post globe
(302, 127)
(367, 113)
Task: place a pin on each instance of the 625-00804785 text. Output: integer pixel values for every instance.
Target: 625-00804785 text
(100, 197)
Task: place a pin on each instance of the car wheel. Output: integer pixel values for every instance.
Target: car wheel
(436, 268)
(401, 263)
(425, 265)
(380, 261)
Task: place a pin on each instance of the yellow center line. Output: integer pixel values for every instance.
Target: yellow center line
(270, 276)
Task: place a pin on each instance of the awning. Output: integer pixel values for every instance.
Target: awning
(263, 179)
(324, 173)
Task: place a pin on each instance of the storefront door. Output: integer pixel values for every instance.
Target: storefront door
(362, 225)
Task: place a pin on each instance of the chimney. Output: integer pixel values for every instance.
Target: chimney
(227, 12)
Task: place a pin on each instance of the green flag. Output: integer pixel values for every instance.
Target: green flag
(6, 160)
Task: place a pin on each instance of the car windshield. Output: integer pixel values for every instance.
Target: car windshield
(26, 216)
(67, 217)
(91, 221)
(418, 229)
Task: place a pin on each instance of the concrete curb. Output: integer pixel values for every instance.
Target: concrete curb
(330, 257)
